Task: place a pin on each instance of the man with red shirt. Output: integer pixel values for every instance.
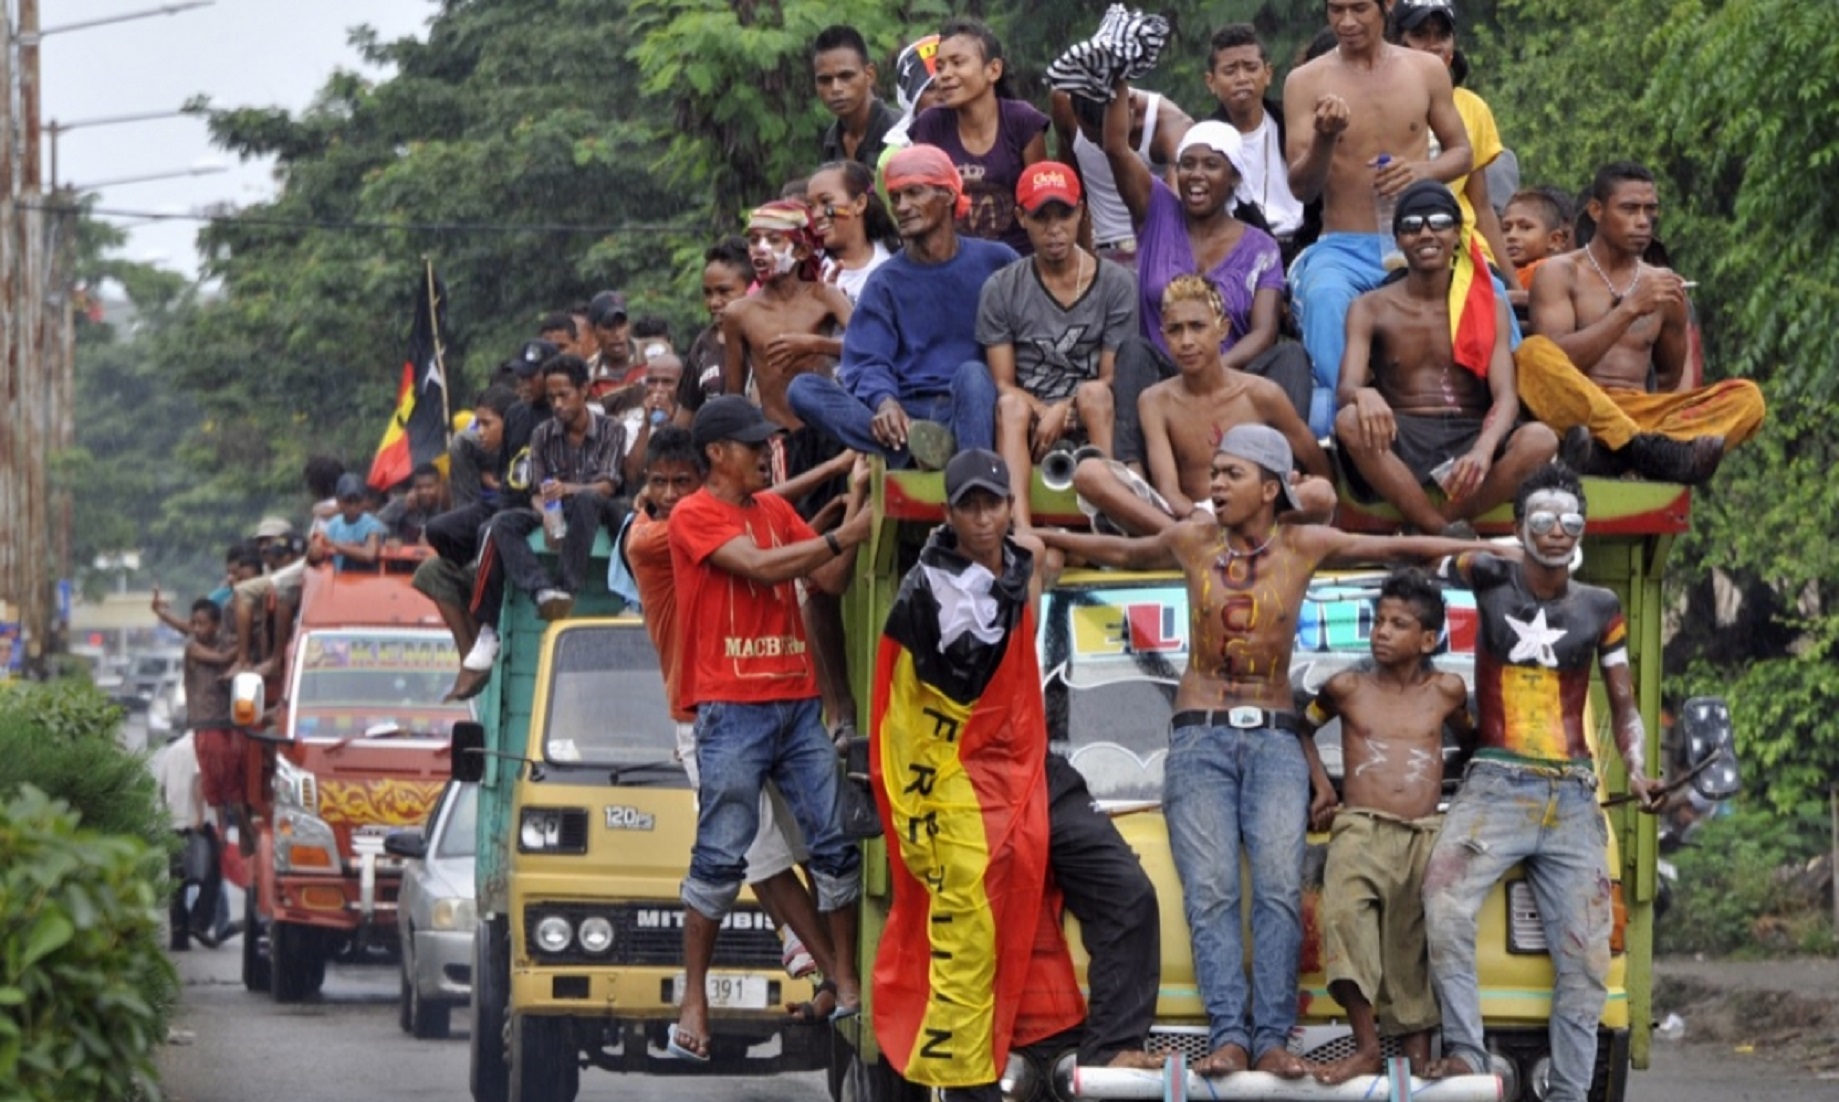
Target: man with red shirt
(736, 551)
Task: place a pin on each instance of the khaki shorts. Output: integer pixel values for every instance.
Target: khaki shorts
(1372, 915)
(779, 844)
(444, 582)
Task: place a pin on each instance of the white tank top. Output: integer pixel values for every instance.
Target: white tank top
(1110, 218)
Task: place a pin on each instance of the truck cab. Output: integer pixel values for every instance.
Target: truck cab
(1113, 645)
(585, 824)
(356, 746)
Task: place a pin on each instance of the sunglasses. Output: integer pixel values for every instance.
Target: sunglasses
(1542, 522)
(1415, 223)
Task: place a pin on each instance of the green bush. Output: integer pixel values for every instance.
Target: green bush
(60, 737)
(84, 983)
(1731, 896)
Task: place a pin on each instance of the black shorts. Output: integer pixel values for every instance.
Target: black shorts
(1423, 444)
(800, 450)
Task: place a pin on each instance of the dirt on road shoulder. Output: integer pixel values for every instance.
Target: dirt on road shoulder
(1785, 1010)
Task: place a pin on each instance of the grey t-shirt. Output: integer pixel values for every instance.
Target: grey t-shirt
(1056, 347)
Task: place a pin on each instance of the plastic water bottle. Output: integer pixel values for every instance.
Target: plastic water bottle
(658, 417)
(555, 525)
(1383, 208)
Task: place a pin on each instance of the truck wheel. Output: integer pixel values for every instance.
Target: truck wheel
(296, 965)
(255, 960)
(543, 1065)
(490, 1070)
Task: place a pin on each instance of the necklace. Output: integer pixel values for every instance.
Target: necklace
(1615, 296)
(1079, 275)
(1228, 553)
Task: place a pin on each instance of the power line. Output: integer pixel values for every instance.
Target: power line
(359, 224)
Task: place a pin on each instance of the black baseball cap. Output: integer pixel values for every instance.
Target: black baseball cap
(976, 469)
(1412, 13)
(606, 308)
(532, 356)
(351, 487)
(730, 417)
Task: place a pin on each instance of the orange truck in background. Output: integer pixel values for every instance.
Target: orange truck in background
(357, 745)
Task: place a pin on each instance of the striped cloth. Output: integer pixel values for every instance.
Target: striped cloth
(1127, 46)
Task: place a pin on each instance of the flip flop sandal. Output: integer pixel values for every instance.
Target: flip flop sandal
(807, 1011)
(679, 1050)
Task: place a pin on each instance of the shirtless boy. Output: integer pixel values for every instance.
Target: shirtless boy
(789, 326)
(1392, 716)
(1236, 772)
(1414, 407)
(1361, 101)
(1620, 388)
(1184, 419)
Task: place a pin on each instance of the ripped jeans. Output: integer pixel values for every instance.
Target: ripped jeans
(1506, 814)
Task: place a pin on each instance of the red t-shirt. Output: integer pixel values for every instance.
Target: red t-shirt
(648, 554)
(749, 643)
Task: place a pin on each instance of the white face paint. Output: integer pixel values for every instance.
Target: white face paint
(785, 258)
(1548, 501)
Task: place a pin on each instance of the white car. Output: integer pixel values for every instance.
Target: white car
(434, 912)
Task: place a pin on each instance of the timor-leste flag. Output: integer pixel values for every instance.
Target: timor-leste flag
(972, 961)
(417, 431)
(1471, 307)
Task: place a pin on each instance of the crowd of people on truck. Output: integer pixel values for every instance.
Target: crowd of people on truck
(1219, 322)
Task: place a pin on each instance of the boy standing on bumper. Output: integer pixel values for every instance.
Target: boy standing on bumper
(1392, 716)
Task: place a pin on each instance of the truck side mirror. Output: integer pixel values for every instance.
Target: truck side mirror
(1711, 751)
(468, 752)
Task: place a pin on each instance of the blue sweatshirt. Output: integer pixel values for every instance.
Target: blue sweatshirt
(916, 323)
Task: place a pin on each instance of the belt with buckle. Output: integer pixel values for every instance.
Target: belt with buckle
(1243, 718)
(1121, 245)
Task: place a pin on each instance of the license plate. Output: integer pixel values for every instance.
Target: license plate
(727, 992)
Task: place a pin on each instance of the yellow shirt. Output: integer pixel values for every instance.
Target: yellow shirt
(1485, 143)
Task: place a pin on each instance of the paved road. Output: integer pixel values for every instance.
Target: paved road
(345, 1047)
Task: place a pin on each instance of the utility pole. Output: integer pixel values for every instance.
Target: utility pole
(12, 528)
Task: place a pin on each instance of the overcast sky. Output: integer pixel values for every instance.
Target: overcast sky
(238, 52)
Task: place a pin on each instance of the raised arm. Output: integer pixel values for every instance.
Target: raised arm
(1146, 553)
(1133, 179)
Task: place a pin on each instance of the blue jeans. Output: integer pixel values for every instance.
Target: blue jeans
(1224, 788)
(969, 411)
(1506, 814)
(740, 746)
(1324, 282)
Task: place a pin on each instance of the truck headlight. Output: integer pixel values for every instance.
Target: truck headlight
(552, 830)
(553, 934)
(295, 787)
(596, 935)
(453, 913)
(304, 842)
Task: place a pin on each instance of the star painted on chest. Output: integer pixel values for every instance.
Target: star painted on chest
(1533, 641)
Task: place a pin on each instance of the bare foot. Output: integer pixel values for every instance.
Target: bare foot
(1360, 1063)
(820, 1006)
(849, 996)
(1136, 1059)
(690, 1036)
(1284, 1064)
(1222, 1061)
(1448, 1068)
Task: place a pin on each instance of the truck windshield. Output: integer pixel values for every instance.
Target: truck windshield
(1112, 657)
(606, 702)
(350, 682)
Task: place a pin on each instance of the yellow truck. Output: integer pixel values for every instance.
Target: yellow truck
(1112, 647)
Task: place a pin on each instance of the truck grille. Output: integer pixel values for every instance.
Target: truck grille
(652, 934)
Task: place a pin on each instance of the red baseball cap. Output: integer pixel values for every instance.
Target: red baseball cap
(1047, 182)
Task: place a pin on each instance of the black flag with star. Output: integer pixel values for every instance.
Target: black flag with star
(417, 431)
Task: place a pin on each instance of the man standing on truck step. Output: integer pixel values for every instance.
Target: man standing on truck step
(1236, 774)
(1530, 795)
(972, 963)
(747, 672)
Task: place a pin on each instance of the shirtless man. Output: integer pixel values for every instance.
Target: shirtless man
(1619, 391)
(1184, 419)
(1343, 112)
(1236, 773)
(1412, 411)
(788, 327)
(1530, 795)
(1372, 917)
